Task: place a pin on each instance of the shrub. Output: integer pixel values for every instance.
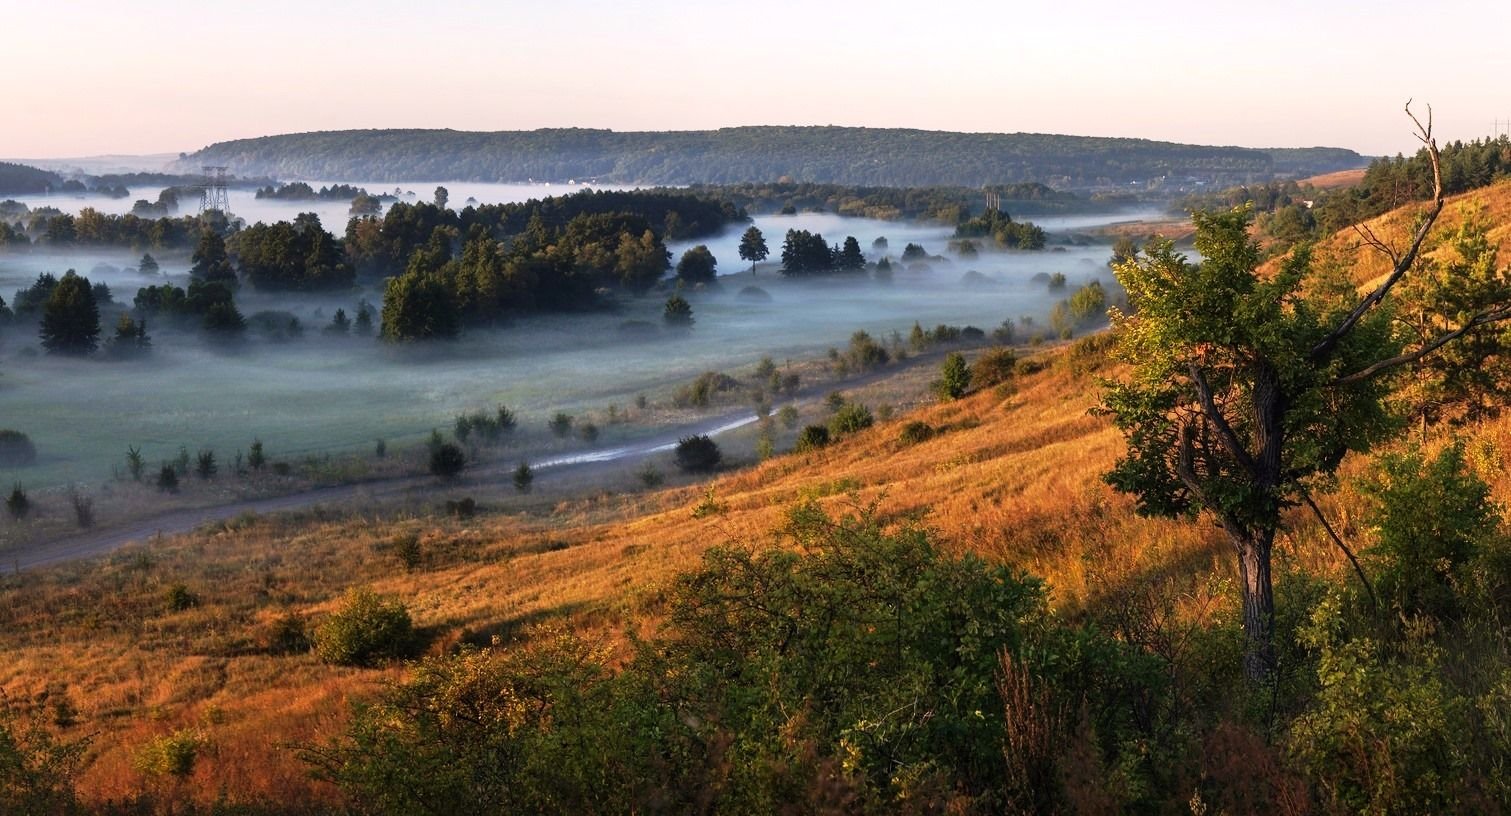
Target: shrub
(650, 476)
(915, 432)
(17, 504)
(523, 477)
(812, 438)
(787, 415)
(286, 635)
(447, 461)
(993, 367)
(179, 598)
(561, 425)
(853, 417)
(36, 770)
(954, 378)
(172, 754)
(255, 456)
(587, 432)
(365, 631)
(205, 464)
(83, 508)
(697, 454)
(167, 479)
(16, 449)
(463, 508)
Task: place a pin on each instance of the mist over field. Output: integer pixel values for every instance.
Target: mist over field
(319, 394)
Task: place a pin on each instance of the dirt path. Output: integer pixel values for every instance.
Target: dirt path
(104, 540)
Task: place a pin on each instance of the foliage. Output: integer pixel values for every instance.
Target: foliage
(698, 454)
(842, 155)
(447, 461)
(1001, 228)
(524, 477)
(853, 417)
(753, 246)
(173, 754)
(993, 366)
(697, 265)
(806, 253)
(812, 438)
(915, 433)
(16, 449)
(678, 313)
(297, 256)
(366, 630)
(17, 504)
(71, 318)
(36, 768)
(954, 377)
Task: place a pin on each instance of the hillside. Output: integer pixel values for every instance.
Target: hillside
(20, 179)
(841, 155)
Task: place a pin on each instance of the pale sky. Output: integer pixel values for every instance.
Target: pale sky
(89, 77)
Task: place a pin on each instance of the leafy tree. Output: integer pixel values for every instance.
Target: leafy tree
(418, 307)
(148, 265)
(211, 262)
(1247, 391)
(697, 265)
(678, 312)
(224, 321)
(954, 377)
(753, 247)
(806, 253)
(130, 338)
(442, 196)
(698, 454)
(71, 320)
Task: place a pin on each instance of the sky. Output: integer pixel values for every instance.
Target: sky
(92, 77)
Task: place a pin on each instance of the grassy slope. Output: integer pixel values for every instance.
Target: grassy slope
(1015, 476)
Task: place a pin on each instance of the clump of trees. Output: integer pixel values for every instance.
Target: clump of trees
(1002, 229)
(16, 449)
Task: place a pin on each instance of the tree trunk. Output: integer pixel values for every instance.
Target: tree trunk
(1258, 605)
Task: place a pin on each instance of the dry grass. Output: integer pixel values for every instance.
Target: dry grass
(1335, 180)
(1013, 475)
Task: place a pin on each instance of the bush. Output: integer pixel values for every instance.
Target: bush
(993, 367)
(83, 508)
(561, 425)
(16, 449)
(17, 504)
(447, 461)
(650, 476)
(524, 477)
(812, 438)
(365, 631)
(954, 378)
(170, 754)
(914, 433)
(463, 508)
(167, 479)
(787, 415)
(179, 598)
(36, 770)
(286, 635)
(698, 454)
(852, 418)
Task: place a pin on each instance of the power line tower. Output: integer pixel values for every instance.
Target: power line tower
(993, 201)
(215, 195)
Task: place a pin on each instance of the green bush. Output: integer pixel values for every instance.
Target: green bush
(993, 367)
(812, 438)
(916, 432)
(698, 454)
(172, 754)
(852, 418)
(36, 770)
(365, 631)
(954, 378)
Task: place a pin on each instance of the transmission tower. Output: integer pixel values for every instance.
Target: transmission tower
(214, 195)
(993, 202)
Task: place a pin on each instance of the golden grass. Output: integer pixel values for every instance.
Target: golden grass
(1335, 180)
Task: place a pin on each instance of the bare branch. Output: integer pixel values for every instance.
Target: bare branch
(1482, 319)
(1403, 262)
(1358, 570)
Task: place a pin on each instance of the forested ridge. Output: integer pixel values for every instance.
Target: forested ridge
(842, 155)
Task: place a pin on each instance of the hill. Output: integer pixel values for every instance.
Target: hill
(840, 155)
(20, 179)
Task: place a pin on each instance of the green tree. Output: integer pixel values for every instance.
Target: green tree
(678, 312)
(365, 631)
(419, 307)
(70, 319)
(697, 265)
(698, 454)
(442, 196)
(17, 504)
(954, 377)
(851, 259)
(148, 265)
(753, 247)
(524, 477)
(211, 263)
(447, 461)
(1248, 390)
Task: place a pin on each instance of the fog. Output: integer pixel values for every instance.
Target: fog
(323, 394)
